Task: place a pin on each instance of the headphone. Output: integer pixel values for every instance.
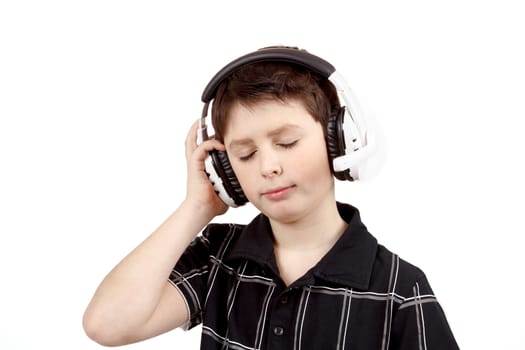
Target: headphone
(348, 139)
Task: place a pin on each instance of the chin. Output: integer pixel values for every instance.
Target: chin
(284, 212)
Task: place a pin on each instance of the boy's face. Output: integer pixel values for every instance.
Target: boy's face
(278, 153)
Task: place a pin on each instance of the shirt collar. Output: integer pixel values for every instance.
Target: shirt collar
(349, 262)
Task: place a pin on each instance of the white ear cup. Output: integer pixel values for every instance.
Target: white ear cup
(215, 179)
(211, 171)
(364, 139)
(378, 141)
(217, 183)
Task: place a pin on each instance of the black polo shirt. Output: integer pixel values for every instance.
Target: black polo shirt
(359, 295)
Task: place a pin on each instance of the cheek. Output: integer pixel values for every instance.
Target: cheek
(312, 169)
(318, 160)
(244, 174)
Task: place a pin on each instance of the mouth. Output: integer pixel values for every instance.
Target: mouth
(278, 193)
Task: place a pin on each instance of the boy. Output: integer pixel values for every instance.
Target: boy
(305, 273)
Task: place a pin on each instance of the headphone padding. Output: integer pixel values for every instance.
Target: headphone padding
(335, 142)
(230, 182)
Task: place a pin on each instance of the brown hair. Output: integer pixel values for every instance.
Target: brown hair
(258, 82)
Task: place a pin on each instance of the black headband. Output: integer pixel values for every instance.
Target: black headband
(270, 54)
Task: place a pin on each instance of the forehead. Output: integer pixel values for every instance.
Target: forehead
(267, 117)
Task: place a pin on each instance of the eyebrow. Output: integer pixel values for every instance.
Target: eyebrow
(272, 133)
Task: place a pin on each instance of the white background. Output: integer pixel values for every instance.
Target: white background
(96, 98)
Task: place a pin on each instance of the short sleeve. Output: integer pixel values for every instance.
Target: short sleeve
(420, 323)
(190, 274)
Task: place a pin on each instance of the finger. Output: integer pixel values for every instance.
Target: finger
(191, 139)
(202, 150)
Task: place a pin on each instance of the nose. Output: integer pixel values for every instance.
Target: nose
(270, 164)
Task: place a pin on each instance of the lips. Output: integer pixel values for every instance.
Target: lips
(278, 193)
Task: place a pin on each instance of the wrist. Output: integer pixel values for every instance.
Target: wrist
(196, 211)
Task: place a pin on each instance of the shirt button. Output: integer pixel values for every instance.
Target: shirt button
(284, 300)
(278, 331)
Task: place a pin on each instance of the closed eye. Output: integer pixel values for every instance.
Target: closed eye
(246, 157)
(287, 145)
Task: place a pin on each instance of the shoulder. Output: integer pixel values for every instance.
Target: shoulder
(211, 242)
(216, 232)
(416, 317)
(397, 275)
(217, 236)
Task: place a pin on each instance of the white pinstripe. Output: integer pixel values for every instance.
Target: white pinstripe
(230, 302)
(358, 295)
(221, 252)
(300, 339)
(339, 345)
(225, 341)
(299, 310)
(262, 318)
(189, 287)
(242, 277)
(233, 292)
(420, 306)
(347, 319)
(390, 304)
(424, 299)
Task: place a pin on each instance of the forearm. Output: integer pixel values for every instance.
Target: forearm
(130, 293)
(135, 301)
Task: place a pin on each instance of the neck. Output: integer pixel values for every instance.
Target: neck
(317, 230)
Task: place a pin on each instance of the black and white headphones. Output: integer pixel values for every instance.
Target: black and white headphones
(349, 142)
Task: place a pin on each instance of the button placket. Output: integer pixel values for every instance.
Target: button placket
(281, 317)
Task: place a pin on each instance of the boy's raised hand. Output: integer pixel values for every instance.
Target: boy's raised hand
(199, 189)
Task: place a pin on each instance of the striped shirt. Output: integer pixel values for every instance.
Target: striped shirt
(358, 296)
